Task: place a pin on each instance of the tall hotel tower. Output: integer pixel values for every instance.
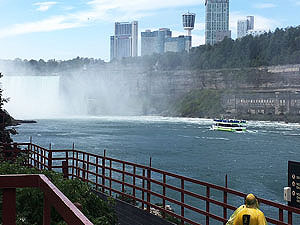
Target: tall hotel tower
(125, 41)
(243, 26)
(216, 21)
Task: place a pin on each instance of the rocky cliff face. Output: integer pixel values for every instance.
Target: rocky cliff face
(248, 91)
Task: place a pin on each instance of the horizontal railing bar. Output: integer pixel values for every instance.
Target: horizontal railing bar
(277, 222)
(154, 171)
(70, 213)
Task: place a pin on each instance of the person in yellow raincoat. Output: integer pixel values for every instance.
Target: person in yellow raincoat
(248, 214)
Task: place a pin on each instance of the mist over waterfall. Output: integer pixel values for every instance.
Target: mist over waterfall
(101, 94)
(32, 96)
(71, 94)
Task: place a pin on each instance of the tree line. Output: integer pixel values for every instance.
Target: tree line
(272, 48)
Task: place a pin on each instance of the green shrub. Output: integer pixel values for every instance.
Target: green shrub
(29, 201)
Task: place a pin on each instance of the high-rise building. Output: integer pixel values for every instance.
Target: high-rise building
(243, 26)
(250, 23)
(216, 20)
(125, 41)
(178, 44)
(154, 41)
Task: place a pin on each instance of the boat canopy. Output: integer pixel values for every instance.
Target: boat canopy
(229, 121)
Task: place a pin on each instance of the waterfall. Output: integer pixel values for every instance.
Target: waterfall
(42, 97)
(32, 97)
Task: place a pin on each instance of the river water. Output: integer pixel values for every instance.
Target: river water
(255, 161)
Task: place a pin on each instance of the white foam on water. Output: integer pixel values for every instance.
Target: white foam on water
(142, 119)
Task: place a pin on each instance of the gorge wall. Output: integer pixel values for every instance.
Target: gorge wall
(248, 91)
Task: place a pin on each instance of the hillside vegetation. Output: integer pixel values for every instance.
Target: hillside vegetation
(273, 48)
(200, 103)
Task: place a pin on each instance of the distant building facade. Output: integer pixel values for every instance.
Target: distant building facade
(250, 20)
(221, 34)
(178, 44)
(216, 20)
(243, 26)
(154, 41)
(125, 41)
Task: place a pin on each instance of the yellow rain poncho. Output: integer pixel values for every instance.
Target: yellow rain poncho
(248, 214)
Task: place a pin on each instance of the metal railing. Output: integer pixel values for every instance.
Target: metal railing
(52, 197)
(194, 201)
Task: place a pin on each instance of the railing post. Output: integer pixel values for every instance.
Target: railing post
(290, 217)
(34, 156)
(50, 159)
(110, 177)
(225, 200)
(87, 167)
(123, 178)
(9, 206)
(47, 211)
(73, 163)
(27, 154)
(149, 185)
(43, 159)
(67, 160)
(97, 171)
(38, 158)
(182, 200)
(207, 204)
(103, 171)
(133, 182)
(83, 172)
(164, 195)
(73, 160)
(281, 215)
(77, 168)
(65, 169)
(143, 192)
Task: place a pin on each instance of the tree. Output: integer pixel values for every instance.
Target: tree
(5, 121)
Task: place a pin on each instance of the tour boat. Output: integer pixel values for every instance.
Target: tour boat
(229, 125)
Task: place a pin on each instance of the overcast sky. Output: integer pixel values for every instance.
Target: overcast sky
(66, 29)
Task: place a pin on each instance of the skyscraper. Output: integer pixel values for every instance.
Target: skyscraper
(250, 24)
(243, 26)
(216, 20)
(154, 41)
(125, 41)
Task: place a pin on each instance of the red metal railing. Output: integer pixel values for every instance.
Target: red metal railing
(195, 202)
(52, 197)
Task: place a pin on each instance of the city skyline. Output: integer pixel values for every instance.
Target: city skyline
(64, 30)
